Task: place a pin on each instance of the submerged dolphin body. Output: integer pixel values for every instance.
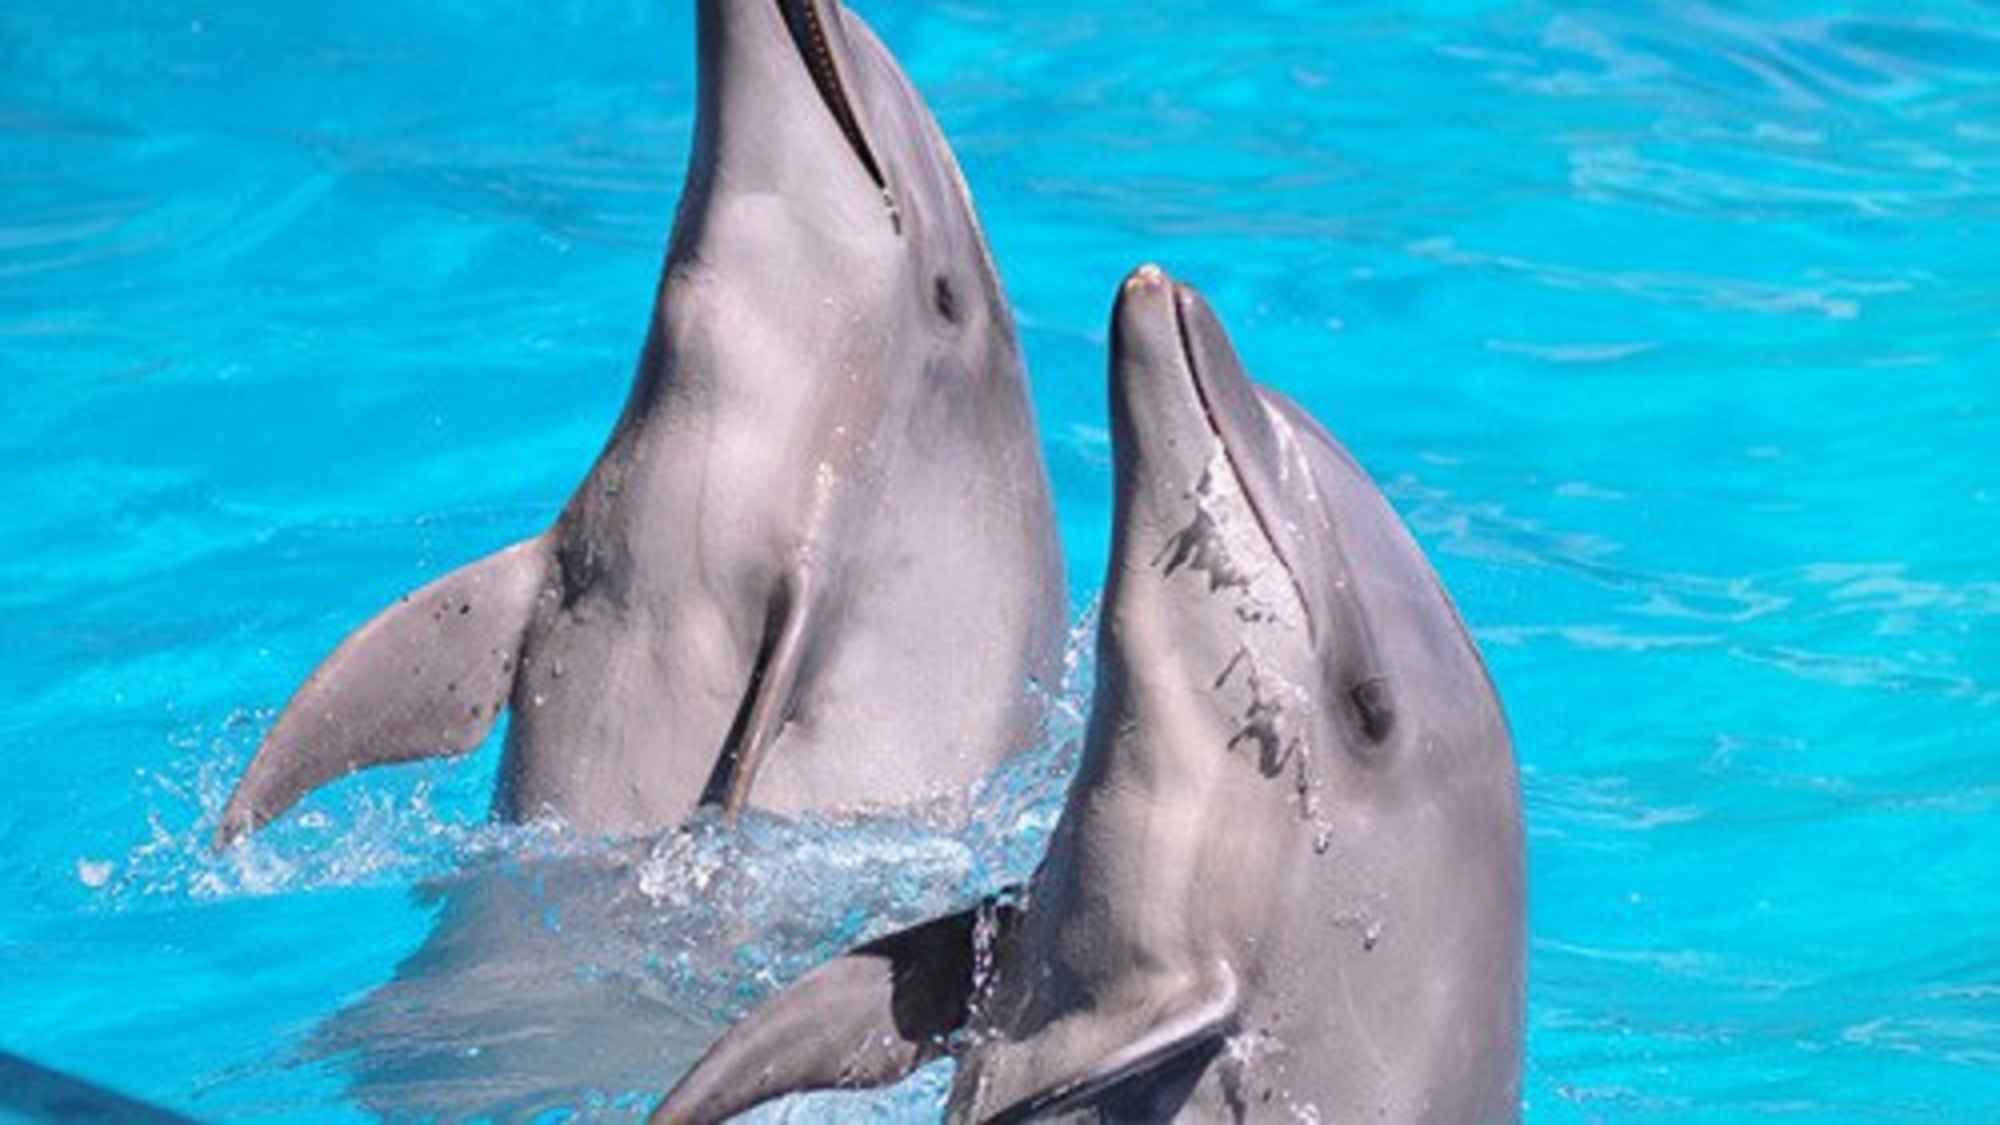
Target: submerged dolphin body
(824, 498)
(30, 1091)
(1288, 880)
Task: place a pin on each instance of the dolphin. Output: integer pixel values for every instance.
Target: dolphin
(30, 1091)
(815, 566)
(1287, 882)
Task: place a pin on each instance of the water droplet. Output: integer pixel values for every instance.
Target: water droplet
(654, 879)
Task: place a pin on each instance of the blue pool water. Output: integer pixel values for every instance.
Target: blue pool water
(1672, 328)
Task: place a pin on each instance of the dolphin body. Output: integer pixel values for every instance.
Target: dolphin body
(1287, 883)
(824, 498)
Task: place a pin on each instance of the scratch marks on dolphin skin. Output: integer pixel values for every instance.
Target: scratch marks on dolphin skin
(1261, 719)
(1265, 723)
(1260, 725)
(1203, 544)
(1200, 547)
(1270, 719)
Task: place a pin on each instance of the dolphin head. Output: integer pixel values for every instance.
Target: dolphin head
(1260, 580)
(1280, 667)
(829, 417)
(1209, 614)
(822, 203)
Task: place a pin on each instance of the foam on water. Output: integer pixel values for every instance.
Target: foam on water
(560, 973)
(1668, 327)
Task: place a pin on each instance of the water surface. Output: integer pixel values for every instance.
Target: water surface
(1671, 329)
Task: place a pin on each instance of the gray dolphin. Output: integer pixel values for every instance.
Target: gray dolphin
(1288, 880)
(815, 566)
(30, 1091)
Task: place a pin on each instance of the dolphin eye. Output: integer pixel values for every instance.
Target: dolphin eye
(1374, 707)
(945, 298)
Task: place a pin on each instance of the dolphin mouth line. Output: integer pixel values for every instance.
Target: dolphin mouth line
(808, 28)
(1246, 481)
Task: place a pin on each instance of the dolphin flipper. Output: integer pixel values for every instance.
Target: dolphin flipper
(1195, 1019)
(30, 1091)
(426, 677)
(864, 1019)
(774, 691)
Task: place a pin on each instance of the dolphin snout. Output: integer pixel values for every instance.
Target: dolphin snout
(1145, 333)
(815, 29)
(1147, 276)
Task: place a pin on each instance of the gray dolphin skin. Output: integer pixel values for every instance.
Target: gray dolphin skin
(1288, 881)
(815, 567)
(32, 1092)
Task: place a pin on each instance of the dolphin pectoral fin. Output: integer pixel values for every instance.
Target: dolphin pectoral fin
(865, 1019)
(773, 690)
(426, 677)
(1172, 1029)
(30, 1091)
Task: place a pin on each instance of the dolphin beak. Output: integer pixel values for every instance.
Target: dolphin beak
(1166, 325)
(1237, 416)
(815, 28)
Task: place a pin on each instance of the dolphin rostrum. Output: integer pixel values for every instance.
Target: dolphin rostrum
(815, 566)
(1287, 883)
